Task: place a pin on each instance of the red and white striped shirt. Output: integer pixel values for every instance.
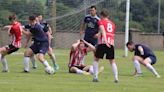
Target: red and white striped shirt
(109, 27)
(16, 33)
(77, 57)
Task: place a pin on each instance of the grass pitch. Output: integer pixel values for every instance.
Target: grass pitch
(62, 81)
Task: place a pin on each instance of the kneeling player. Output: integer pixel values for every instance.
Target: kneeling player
(77, 55)
(143, 55)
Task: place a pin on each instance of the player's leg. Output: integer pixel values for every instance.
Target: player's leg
(43, 48)
(89, 69)
(78, 70)
(33, 60)
(110, 55)
(136, 61)
(27, 54)
(147, 62)
(3, 52)
(115, 70)
(100, 51)
(53, 58)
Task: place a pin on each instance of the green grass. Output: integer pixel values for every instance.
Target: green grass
(62, 81)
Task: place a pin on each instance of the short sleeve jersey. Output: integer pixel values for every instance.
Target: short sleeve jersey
(16, 33)
(109, 27)
(91, 26)
(77, 57)
(38, 33)
(147, 51)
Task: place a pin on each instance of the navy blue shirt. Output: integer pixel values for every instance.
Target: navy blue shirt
(44, 25)
(38, 33)
(147, 51)
(91, 26)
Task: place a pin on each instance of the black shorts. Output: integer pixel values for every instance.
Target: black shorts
(79, 67)
(10, 49)
(102, 49)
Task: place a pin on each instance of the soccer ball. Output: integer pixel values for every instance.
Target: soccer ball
(49, 70)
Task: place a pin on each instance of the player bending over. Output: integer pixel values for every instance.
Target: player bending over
(105, 45)
(40, 45)
(77, 56)
(15, 31)
(142, 55)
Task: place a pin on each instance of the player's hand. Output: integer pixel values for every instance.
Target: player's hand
(108, 45)
(96, 35)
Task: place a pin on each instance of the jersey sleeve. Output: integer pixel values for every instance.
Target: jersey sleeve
(100, 23)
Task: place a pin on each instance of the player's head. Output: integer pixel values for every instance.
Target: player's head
(12, 17)
(130, 45)
(81, 45)
(39, 17)
(32, 20)
(104, 13)
(92, 10)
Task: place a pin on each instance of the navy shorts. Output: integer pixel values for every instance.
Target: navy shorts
(10, 49)
(93, 41)
(40, 47)
(153, 59)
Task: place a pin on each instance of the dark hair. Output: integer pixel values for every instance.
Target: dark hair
(12, 17)
(93, 7)
(104, 13)
(38, 14)
(129, 43)
(32, 18)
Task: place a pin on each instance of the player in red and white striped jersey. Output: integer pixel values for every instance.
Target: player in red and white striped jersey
(77, 58)
(105, 45)
(15, 31)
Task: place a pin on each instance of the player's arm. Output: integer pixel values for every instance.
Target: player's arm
(82, 27)
(90, 46)
(104, 35)
(75, 45)
(141, 50)
(49, 37)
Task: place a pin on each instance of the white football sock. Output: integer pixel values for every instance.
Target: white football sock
(78, 71)
(4, 63)
(33, 61)
(45, 63)
(91, 69)
(137, 66)
(95, 69)
(115, 71)
(152, 69)
(26, 63)
(0, 56)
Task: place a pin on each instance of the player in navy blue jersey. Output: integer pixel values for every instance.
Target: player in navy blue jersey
(89, 27)
(40, 45)
(142, 55)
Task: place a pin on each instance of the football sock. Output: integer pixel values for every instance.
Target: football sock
(33, 61)
(137, 66)
(0, 56)
(45, 63)
(4, 63)
(91, 69)
(26, 63)
(78, 71)
(115, 71)
(95, 69)
(53, 58)
(152, 69)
